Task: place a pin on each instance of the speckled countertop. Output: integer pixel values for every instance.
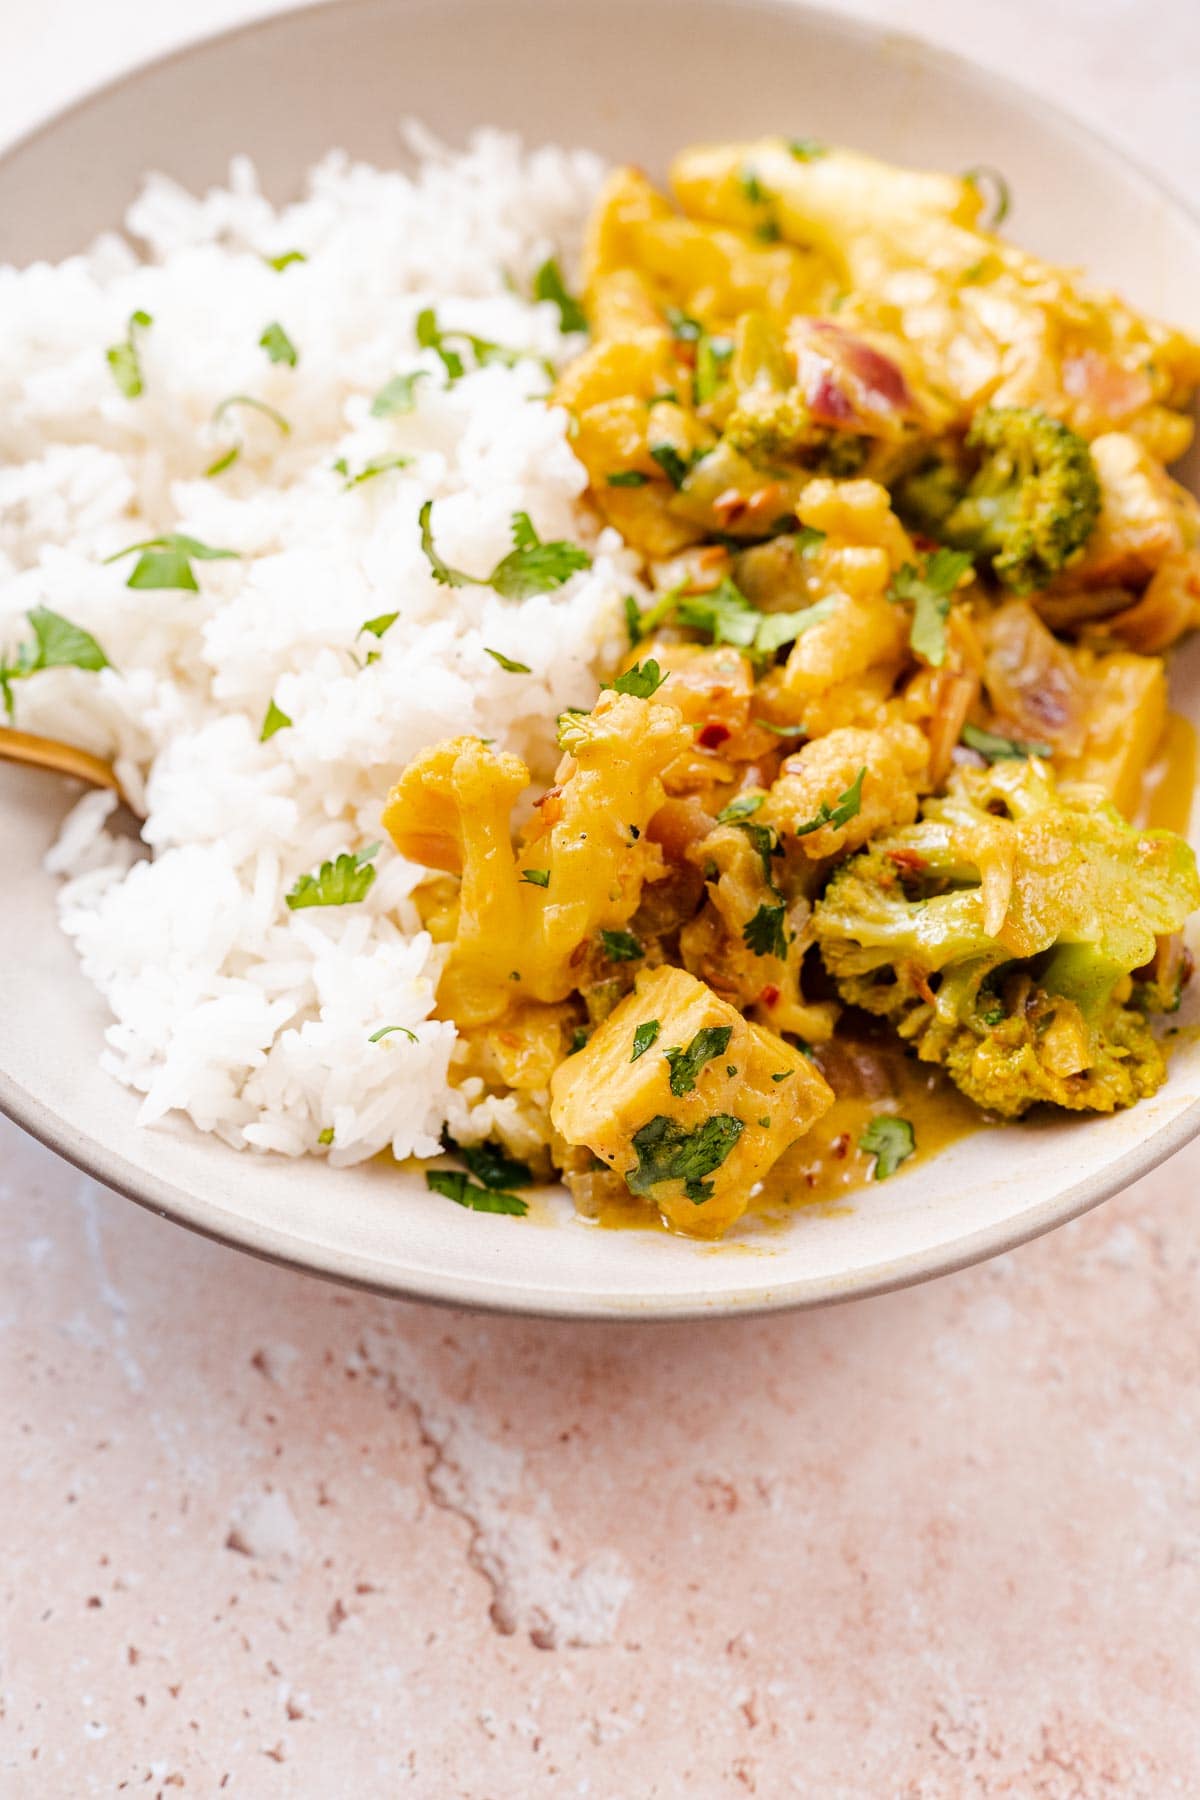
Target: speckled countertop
(266, 1538)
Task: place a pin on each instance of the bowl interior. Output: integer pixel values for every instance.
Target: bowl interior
(632, 79)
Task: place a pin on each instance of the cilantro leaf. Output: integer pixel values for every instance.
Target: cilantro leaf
(533, 567)
(536, 877)
(225, 461)
(491, 1164)
(712, 360)
(275, 720)
(890, 1141)
(1000, 749)
(399, 395)
(645, 1037)
(930, 590)
(506, 662)
(627, 478)
(342, 882)
(709, 1041)
(166, 562)
(847, 806)
(278, 345)
(751, 187)
(621, 946)
(666, 1152)
(982, 178)
(378, 625)
(454, 1185)
(729, 618)
(780, 628)
(806, 149)
(378, 465)
(269, 412)
(442, 572)
(780, 730)
(740, 807)
(377, 1037)
(325, 1137)
(764, 933)
(674, 465)
(430, 336)
(57, 644)
(548, 285)
(765, 840)
(643, 680)
(123, 359)
(285, 260)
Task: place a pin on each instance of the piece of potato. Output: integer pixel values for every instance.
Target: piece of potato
(625, 1111)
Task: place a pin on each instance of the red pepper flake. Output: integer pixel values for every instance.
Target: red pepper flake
(713, 735)
(578, 953)
(840, 1145)
(909, 859)
(730, 505)
(769, 995)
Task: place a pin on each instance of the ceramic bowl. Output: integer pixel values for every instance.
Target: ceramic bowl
(634, 79)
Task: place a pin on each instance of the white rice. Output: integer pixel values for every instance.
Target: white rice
(227, 1007)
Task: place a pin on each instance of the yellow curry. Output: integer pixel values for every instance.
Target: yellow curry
(871, 771)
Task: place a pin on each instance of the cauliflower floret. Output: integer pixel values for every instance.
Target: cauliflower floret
(853, 783)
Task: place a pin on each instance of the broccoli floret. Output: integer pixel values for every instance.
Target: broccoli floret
(1024, 500)
(999, 935)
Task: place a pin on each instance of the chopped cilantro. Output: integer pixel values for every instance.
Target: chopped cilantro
(633, 621)
(712, 360)
(531, 566)
(490, 1163)
(342, 882)
(709, 1041)
(269, 412)
(751, 187)
(378, 465)
(672, 462)
(325, 1137)
(780, 730)
(399, 395)
(377, 626)
(278, 345)
(930, 591)
(507, 663)
(536, 877)
(123, 359)
(764, 933)
(627, 478)
(806, 149)
(548, 285)
(57, 644)
(740, 807)
(782, 1074)
(645, 1037)
(765, 840)
(890, 1141)
(225, 461)
(847, 806)
(275, 720)
(285, 260)
(430, 336)
(387, 1030)
(729, 618)
(643, 680)
(1000, 749)
(579, 1038)
(166, 562)
(621, 946)
(454, 1185)
(666, 1152)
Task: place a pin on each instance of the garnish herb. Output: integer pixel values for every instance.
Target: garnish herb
(806, 149)
(430, 336)
(633, 621)
(225, 461)
(387, 1030)
(740, 807)
(278, 345)
(729, 618)
(491, 1164)
(643, 680)
(166, 562)
(764, 934)
(379, 625)
(579, 1038)
(621, 946)
(684, 329)
(399, 395)
(890, 1141)
(531, 566)
(275, 720)
(57, 644)
(230, 456)
(536, 877)
(752, 188)
(673, 463)
(548, 285)
(780, 730)
(765, 840)
(645, 1037)
(992, 185)
(1000, 749)
(325, 1137)
(782, 1074)
(846, 807)
(123, 359)
(507, 663)
(666, 1152)
(712, 360)
(342, 882)
(930, 591)
(627, 478)
(710, 1041)
(378, 465)
(808, 538)
(454, 1185)
(284, 261)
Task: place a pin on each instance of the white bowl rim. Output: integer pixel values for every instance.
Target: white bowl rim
(276, 1244)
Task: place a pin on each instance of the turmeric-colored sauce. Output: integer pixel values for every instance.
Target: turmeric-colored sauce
(1170, 781)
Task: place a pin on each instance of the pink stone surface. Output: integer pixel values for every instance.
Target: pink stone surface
(266, 1537)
